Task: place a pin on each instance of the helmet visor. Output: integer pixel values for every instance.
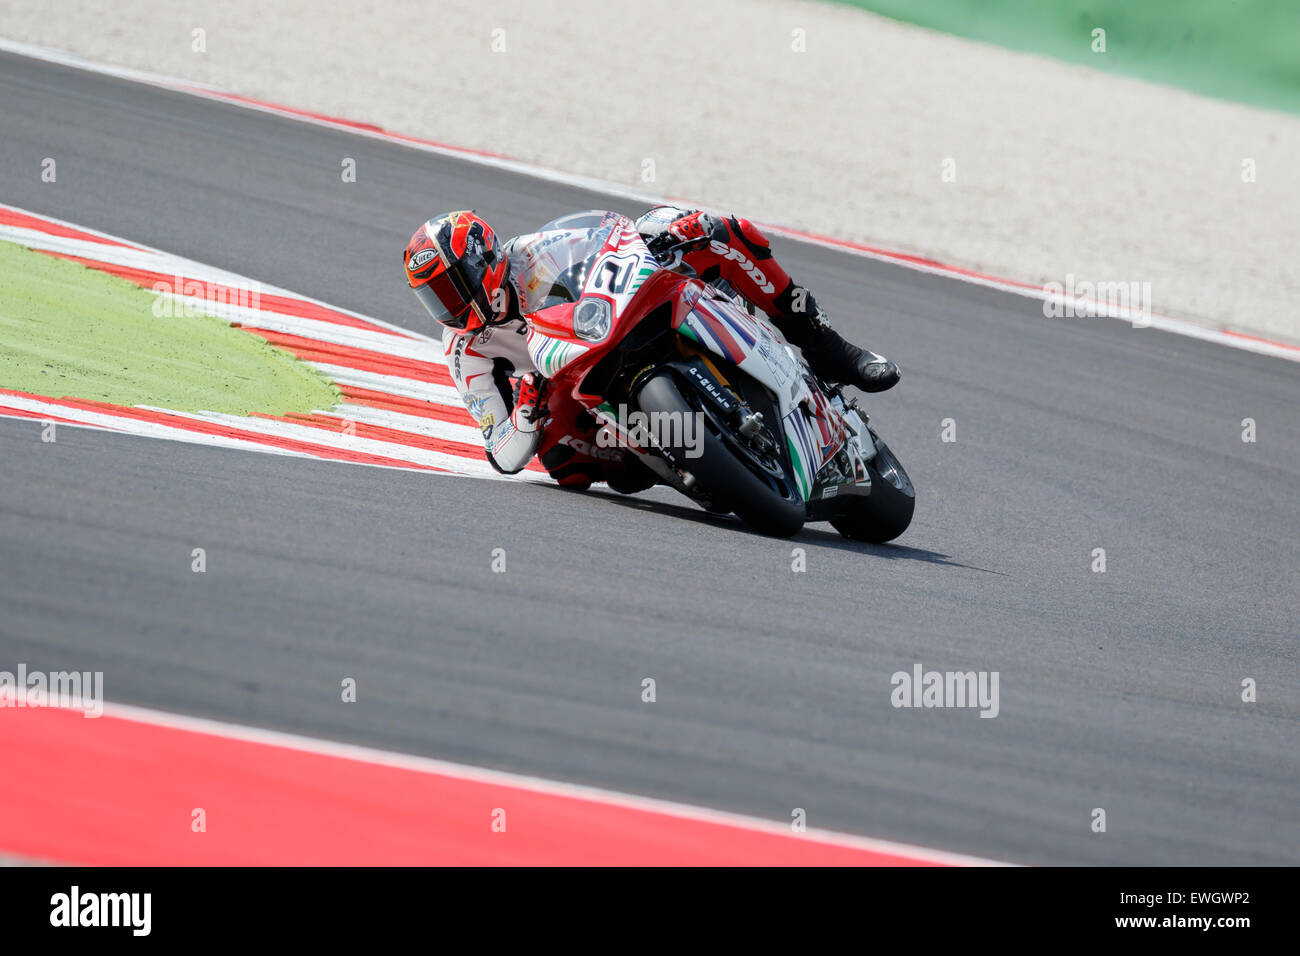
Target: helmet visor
(446, 300)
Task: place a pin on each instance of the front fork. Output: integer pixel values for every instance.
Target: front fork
(713, 387)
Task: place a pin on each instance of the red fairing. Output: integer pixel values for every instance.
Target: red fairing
(745, 260)
(556, 321)
(589, 462)
(659, 288)
(570, 424)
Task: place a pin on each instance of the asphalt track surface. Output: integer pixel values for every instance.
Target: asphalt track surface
(1118, 690)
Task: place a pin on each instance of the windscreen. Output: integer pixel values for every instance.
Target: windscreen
(550, 266)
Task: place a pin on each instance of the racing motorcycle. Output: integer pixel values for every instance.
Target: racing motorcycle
(618, 333)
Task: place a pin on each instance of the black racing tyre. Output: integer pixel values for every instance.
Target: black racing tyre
(885, 513)
(728, 482)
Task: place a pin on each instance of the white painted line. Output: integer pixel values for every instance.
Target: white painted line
(1080, 304)
(134, 426)
(1158, 322)
(406, 387)
(330, 333)
(430, 765)
(122, 426)
(386, 346)
(448, 461)
(168, 264)
(428, 427)
(63, 58)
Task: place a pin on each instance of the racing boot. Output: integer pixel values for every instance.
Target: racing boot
(738, 251)
(805, 324)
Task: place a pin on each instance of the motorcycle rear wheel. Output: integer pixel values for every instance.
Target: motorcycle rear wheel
(885, 513)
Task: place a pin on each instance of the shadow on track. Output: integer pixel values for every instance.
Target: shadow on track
(809, 535)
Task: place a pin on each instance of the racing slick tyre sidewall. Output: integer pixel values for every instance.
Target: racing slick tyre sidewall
(729, 483)
(881, 516)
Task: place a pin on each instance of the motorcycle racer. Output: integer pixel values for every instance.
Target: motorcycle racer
(472, 283)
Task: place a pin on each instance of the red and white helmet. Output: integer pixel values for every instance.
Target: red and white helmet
(457, 269)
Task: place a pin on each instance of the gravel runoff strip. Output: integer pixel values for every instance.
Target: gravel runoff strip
(818, 117)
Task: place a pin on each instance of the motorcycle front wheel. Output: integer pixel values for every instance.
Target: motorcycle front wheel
(728, 482)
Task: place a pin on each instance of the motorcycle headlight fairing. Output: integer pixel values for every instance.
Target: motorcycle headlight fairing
(591, 319)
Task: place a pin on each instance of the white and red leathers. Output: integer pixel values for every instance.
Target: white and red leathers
(481, 366)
